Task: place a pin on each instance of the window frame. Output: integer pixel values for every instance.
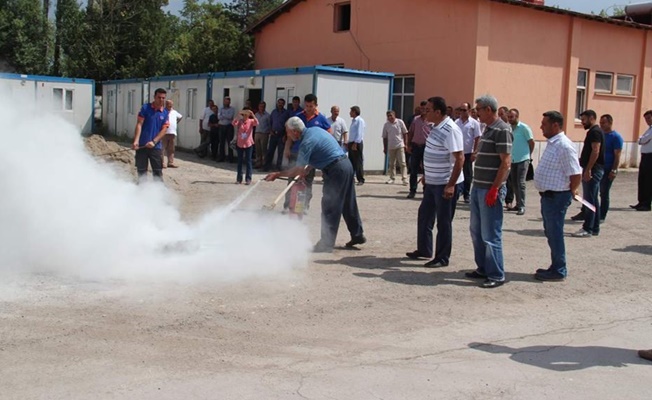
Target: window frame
(337, 17)
(60, 99)
(632, 85)
(611, 84)
(191, 103)
(402, 94)
(582, 91)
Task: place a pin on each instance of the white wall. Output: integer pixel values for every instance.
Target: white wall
(286, 86)
(79, 112)
(189, 97)
(372, 96)
(127, 114)
(237, 86)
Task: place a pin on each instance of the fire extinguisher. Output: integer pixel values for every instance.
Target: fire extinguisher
(298, 198)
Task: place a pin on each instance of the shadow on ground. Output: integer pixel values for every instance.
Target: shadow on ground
(390, 270)
(565, 358)
(643, 249)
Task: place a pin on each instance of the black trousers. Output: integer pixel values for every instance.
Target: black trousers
(225, 136)
(645, 180)
(467, 170)
(416, 159)
(357, 160)
(275, 146)
(153, 157)
(339, 201)
(214, 142)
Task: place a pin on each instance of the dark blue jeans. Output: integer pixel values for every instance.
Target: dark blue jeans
(553, 212)
(486, 228)
(339, 200)
(277, 146)
(605, 188)
(244, 155)
(434, 207)
(416, 159)
(590, 191)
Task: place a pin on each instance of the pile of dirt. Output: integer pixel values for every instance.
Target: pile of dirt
(109, 151)
(120, 157)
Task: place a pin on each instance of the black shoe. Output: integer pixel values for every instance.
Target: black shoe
(490, 284)
(474, 275)
(549, 276)
(511, 208)
(415, 255)
(540, 270)
(435, 264)
(643, 208)
(520, 211)
(635, 206)
(361, 183)
(466, 200)
(578, 217)
(411, 195)
(356, 240)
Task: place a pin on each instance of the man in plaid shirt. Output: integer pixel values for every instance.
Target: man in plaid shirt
(557, 178)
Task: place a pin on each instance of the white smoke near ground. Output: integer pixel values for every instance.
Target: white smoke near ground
(63, 213)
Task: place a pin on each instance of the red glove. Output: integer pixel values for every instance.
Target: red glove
(491, 197)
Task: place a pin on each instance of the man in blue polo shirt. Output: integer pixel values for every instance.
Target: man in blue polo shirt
(151, 127)
(613, 147)
(311, 117)
(320, 150)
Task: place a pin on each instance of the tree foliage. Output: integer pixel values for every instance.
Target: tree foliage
(115, 39)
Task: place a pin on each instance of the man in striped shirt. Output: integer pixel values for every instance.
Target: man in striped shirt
(488, 194)
(443, 161)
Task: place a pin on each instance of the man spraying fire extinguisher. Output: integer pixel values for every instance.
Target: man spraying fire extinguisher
(319, 150)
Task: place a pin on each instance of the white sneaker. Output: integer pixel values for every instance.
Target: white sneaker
(581, 233)
(390, 182)
(405, 183)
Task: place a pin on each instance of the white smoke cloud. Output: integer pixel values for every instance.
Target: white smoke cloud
(65, 214)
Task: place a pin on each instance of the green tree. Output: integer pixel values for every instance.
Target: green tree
(24, 35)
(212, 39)
(246, 12)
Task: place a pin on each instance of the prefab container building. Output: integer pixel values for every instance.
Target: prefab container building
(371, 91)
(70, 98)
(189, 94)
(121, 101)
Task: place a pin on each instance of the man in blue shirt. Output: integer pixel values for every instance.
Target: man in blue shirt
(277, 118)
(613, 146)
(311, 117)
(151, 127)
(522, 147)
(320, 150)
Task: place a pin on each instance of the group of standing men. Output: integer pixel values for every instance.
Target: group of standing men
(495, 151)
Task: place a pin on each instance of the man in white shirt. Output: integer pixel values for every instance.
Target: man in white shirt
(557, 178)
(645, 168)
(225, 116)
(338, 125)
(356, 139)
(394, 139)
(204, 130)
(171, 134)
(471, 132)
(443, 160)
